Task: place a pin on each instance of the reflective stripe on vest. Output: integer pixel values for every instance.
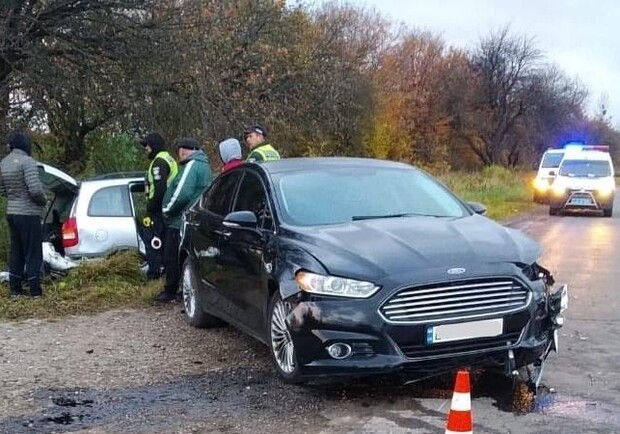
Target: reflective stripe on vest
(172, 165)
(267, 152)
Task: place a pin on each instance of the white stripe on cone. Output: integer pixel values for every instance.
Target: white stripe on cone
(461, 401)
(458, 432)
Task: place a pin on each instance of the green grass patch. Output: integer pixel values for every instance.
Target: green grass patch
(114, 282)
(505, 193)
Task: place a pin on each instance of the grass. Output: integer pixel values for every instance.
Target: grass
(117, 282)
(505, 193)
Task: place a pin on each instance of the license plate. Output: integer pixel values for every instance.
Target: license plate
(465, 330)
(581, 201)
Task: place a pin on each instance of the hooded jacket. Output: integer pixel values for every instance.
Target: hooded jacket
(230, 154)
(193, 178)
(19, 179)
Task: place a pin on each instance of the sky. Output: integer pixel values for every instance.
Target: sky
(579, 36)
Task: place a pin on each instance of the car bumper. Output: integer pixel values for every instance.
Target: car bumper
(581, 200)
(379, 347)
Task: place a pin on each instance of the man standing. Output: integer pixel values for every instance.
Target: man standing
(20, 183)
(193, 178)
(161, 172)
(255, 137)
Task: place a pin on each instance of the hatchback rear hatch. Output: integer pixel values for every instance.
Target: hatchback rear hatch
(62, 190)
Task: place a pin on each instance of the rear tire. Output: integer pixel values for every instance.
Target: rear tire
(192, 299)
(607, 212)
(553, 211)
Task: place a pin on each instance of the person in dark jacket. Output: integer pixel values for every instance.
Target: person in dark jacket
(255, 136)
(161, 172)
(230, 154)
(194, 177)
(20, 183)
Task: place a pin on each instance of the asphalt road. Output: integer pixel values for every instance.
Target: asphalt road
(145, 372)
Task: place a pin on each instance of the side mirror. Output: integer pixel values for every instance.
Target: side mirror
(240, 219)
(552, 173)
(478, 208)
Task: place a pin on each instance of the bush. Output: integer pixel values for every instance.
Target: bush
(109, 153)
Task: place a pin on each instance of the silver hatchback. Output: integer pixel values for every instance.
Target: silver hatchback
(93, 217)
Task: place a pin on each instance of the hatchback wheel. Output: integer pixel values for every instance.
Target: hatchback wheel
(192, 299)
(282, 347)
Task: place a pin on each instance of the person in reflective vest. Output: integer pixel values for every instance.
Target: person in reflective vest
(161, 172)
(255, 137)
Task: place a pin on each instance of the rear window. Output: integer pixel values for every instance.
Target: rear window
(110, 202)
(585, 168)
(552, 160)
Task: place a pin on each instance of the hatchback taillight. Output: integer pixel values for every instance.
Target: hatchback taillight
(70, 233)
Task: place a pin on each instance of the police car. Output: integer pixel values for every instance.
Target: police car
(547, 170)
(584, 181)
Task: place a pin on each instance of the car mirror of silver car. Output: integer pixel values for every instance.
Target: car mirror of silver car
(478, 208)
(240, 219)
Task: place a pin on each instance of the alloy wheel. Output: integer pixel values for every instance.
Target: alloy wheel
(189, 294)
(281, 342)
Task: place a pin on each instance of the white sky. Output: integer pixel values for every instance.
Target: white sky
(577, 35)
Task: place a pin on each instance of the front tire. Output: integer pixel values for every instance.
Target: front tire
(607, 212)
(553, 211)
(192, 299)
(281, 346)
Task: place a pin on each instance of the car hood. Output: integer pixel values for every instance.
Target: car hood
(585, 182)
(399, 245)
(55, 180)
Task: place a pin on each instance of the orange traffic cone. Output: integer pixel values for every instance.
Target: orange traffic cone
(460, 419)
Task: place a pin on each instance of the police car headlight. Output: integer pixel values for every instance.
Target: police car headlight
(558, 189)
(605, 190)
(541, 184)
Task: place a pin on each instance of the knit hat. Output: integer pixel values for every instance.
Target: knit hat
(229, 149)
(187, 143)
(19, 140)
(155, 141)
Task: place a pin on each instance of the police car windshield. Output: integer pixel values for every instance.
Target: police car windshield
(552, 160)
(585, 168)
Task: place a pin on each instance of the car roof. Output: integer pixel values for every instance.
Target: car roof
(587, 155)
(308, 163)
(115, 175)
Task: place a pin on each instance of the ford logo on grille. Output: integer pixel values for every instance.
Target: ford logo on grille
(456, 271)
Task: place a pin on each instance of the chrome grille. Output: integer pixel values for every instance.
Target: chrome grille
(452, 300)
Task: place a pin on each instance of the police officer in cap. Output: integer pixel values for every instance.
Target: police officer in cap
(255, 137)
(161, 172)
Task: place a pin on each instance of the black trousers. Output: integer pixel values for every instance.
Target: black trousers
(154, 257)
(26, 256)
(171, 260)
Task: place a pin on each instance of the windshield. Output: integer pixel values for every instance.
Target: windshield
(339, 195)
(585, 168)
(552, 160)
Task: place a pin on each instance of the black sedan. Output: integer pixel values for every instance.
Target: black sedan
(347, 266)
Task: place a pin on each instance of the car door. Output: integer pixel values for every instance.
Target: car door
(205, 221)
(246, 254)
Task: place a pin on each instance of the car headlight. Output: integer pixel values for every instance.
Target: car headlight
(558, 189)
(541, 184)
(605, 190)
(336, 286)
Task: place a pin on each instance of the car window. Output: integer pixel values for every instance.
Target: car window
(552, 160)
(586, 168)
(339, 195)
(110, 202)
(218, 198)
(253, 197)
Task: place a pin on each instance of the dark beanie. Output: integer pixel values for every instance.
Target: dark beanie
(19, 140)
(188, 143)
(155, 141)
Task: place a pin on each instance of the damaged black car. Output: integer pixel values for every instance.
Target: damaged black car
(348, 267)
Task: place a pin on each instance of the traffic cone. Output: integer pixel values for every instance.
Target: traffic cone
(460, 420)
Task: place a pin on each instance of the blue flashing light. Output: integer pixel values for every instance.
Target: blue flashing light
(575, 145)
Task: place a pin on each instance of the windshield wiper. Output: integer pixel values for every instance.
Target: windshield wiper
(388, 216)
